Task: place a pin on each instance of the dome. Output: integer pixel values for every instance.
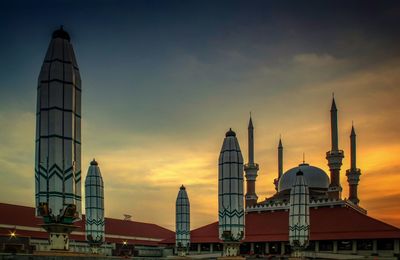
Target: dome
(314, 177)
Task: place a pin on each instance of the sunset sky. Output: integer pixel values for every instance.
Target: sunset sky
(164, 80)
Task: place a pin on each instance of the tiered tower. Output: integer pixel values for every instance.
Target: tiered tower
(94, 205)
(230, 195)
(334, 156)
(280, 164)
(251, 170)
(299, 215)
(182, 222)
(353, 174)
(58, 140)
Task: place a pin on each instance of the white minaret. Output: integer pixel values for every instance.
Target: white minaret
(230, 195)
(334, 156)
(251, 169)
(353, 174)
(58, 138)
(299, 215)
(182, 233)
(94, 205)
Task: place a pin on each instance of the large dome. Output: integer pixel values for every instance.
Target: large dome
(314, 177)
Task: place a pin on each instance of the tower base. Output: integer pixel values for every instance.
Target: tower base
(231, 250)
(59, 235)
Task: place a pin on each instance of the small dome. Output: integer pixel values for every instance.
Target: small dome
(93, 162)
(60, 33)
(230, 133)
(315, 177)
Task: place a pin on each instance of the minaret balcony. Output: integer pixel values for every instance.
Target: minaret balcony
(353, 176)
(251, 166)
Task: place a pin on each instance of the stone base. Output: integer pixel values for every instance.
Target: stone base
(231, 249)
(59, 235)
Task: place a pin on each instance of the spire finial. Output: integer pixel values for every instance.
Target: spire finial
(93, 162)
(304, 157)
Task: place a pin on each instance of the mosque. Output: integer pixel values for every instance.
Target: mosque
(338, 228)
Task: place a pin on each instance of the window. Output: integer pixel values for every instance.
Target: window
(385, 244)
(205, 247)
(364, 244)
(325, 245)
(193, 247)
(311, 246)
(245, 248)
(217, 247)
(345, 245)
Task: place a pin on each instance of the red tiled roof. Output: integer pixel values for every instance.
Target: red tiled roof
(326, 224)
(140, 233)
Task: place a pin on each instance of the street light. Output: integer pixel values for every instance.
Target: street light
(13, 234)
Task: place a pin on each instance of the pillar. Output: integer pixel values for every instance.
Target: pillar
(335, 247)
(282, 248)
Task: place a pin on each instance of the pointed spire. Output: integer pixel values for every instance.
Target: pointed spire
(333, 107)
(334, 127)
(251, 141)
(280, 159)
(353, 148)
(353, 133)
(250, 122)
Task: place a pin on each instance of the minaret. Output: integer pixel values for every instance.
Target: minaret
(299, 215)
(230, 195)
(280, 164)
(182, 222)
(334, 156)
(58, 139)
(251, 169)
(353, 174)
(94, 204)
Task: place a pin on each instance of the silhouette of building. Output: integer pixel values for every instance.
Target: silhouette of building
(337, 225)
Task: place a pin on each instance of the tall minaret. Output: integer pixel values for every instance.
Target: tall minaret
(334, 156)
(280, 164)
(182, 232)
(94, 204)
(58, 138)
(230, 195)
(251, 169)
(353, 174)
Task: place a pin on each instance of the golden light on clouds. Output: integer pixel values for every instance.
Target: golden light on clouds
(143, 170)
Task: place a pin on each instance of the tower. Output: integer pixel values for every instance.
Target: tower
(334, 156)
(230, 195)
(280, 164)
(251, 169)
(299, 215)
(58, 140)
(94, 205)
(353, 174)
(182, 233)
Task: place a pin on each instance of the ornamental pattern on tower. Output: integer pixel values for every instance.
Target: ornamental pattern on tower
(94, 205)
(230, 190)
(299, 215)
(182, 220)
(58, 130)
